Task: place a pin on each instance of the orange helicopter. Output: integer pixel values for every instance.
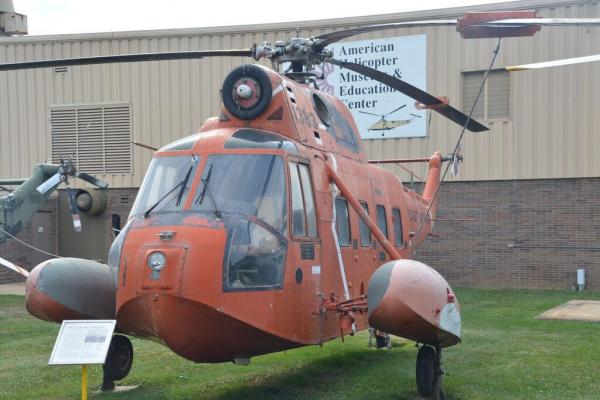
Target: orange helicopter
(269, 229)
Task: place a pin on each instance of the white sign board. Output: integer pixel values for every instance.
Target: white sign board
(374, 105)
(82, 342)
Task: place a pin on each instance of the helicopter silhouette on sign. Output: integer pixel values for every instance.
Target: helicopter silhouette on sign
(384, 125)
(269, 229)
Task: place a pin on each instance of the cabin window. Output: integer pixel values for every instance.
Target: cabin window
(397, 223)
(382, 220)
(340, 127)
(255, 258)
(342, 220)
(365, 232)
(304, 215)
(309, 201)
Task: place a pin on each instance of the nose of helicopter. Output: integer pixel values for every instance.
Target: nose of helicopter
(171, 289)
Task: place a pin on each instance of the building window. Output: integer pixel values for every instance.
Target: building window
(304, 216)
(365, 232)
(397, 222)
(342, 221)
(96, 137)
(382, 219)
(494, 100)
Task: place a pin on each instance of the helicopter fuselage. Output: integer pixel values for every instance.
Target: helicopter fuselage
(266, 230)
(213, 302)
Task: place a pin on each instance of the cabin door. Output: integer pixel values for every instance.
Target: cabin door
(305, 247)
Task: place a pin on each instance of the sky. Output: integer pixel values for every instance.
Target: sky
(47, 17)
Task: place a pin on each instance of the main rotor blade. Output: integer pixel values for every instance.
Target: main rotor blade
(391, 112)
(519, 22)
(72, 196)
(14, 267)
(92, 179)
(121, 58)
(421, 96)
(49, 184)
(328, 38)
(554, 63)
(332, 37)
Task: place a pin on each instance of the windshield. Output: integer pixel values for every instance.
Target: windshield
(164, 173)
(244, 183)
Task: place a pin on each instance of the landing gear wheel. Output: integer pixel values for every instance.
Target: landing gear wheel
(118, 361)
(383, 341)
(429, 372)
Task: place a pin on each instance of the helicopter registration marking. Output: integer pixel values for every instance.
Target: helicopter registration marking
(305, 118)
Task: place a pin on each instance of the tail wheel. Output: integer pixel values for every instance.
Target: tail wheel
(119, 359)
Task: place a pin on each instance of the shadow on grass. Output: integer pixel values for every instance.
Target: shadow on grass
(351, 374)
(348, 374)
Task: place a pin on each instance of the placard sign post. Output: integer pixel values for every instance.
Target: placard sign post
(82, 342)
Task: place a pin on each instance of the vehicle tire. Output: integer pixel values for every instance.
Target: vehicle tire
(425, 371)
(119, 359)
(259, 79)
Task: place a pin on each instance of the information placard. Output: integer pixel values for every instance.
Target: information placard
(82, 342)
(379, 111)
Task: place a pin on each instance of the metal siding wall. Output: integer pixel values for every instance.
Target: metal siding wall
(551, 132)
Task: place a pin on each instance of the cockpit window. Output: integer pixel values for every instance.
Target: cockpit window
(247, 184)
(164, 174)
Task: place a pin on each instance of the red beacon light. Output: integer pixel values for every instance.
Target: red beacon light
(451, 297)
(470, 26)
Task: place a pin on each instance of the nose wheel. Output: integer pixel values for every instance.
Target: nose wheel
(118, 361)
(429, 372)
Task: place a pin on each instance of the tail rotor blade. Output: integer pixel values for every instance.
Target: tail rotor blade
(92, 179)
(49, 184)
(74, 210)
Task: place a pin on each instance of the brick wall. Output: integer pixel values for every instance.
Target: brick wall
(517, 234)
(22, 255)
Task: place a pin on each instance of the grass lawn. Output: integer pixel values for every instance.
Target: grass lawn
(505, 354)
